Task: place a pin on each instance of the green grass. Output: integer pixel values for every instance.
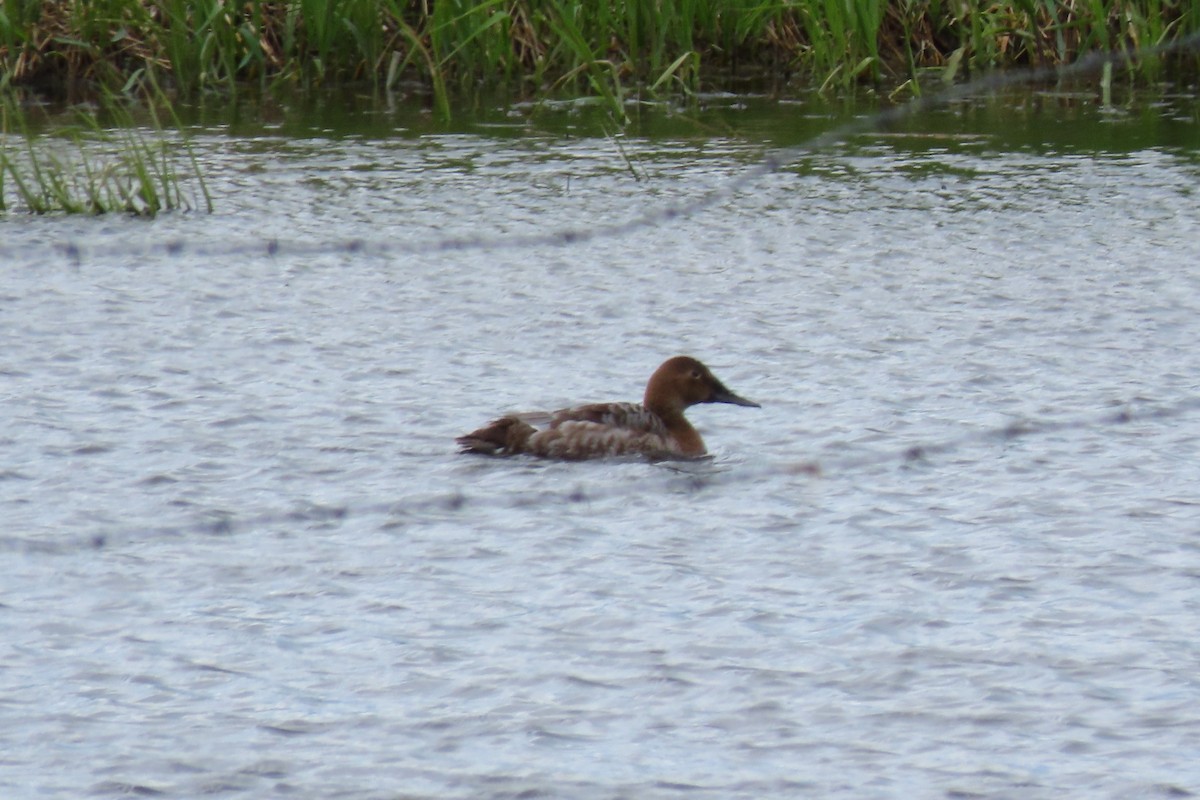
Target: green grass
(608, 49)
(101, 163)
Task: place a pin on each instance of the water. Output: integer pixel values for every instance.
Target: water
(241, 557)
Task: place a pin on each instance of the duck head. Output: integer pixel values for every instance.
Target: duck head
(683, 381)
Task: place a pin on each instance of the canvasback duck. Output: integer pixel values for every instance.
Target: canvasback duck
(655, 428)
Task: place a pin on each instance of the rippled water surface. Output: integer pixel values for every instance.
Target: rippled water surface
(241, 558)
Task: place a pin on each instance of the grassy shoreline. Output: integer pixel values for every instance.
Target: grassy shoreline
(546, 46)
(119, 55)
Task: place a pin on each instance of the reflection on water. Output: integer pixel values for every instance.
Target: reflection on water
(1015, 618)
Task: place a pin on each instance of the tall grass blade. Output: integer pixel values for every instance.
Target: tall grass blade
(441, 99)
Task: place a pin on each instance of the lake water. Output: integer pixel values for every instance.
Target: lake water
(241, 557)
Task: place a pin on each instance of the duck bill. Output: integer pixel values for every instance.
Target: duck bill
(723, 395)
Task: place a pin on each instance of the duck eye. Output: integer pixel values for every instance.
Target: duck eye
(695, 374)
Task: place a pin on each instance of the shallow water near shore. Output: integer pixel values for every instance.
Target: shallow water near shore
(242, 558)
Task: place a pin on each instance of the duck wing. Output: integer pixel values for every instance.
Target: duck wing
(535, 419)
(626, 417)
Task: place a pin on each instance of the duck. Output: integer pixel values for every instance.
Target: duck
(656, 428)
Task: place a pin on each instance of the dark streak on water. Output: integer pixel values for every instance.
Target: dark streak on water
(1015, 619)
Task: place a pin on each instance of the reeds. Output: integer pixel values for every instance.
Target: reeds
(92, 168)
(538, 46)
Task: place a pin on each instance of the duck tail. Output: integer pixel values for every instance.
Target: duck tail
(502, 437)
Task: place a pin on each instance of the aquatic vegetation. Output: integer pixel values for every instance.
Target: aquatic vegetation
(609, 53)
(538, 46)
(94, 168)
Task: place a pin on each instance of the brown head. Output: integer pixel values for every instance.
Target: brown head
(683, 381)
